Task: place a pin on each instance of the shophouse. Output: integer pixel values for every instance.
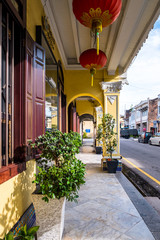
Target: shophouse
(144, 116)
(44, 86)
(158, 115)
(126, 118)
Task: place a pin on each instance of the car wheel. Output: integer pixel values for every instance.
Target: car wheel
(149, 142)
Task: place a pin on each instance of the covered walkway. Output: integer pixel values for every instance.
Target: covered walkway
(104, 210)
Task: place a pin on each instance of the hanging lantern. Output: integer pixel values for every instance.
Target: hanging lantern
(96, 14)
(90, 60)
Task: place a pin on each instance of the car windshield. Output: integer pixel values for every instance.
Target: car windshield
(148, 134)
(157, 135)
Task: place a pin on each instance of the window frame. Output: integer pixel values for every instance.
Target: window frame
(10, 169)
(0, 80)
(10, 50)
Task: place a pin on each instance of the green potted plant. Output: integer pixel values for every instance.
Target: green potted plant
(8, 236)
(99, 137)
(60, 175)
(23, 234)
(109, 139)
(27, 234)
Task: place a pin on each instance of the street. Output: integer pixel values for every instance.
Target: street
(146, 157)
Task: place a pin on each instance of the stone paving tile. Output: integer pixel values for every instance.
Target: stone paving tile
(104, 210)
(139, 231)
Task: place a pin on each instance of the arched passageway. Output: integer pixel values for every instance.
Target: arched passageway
(82, 118)
(88, 133)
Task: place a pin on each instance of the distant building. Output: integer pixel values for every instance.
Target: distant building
(153, 115)
(122, 124)
(127, 114)
(158, 115)
(145, 116)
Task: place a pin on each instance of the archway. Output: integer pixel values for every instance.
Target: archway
(87, 129)
(82, 117)
(85, 95)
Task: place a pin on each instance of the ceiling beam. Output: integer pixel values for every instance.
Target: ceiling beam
(132, 14)
(75, 30)
(144, 35)
(54, 29)
(113, 32)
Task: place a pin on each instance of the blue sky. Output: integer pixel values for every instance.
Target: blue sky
(144, 73)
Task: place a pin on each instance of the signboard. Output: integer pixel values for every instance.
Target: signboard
(87, 130)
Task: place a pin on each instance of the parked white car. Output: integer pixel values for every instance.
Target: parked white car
(155, 140)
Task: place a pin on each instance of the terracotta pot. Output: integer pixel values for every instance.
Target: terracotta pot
(50, 217)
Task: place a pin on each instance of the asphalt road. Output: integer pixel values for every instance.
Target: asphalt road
(144, 156)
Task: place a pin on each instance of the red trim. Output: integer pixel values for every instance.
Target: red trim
(74, 119)
(63, 111)
(10, 171)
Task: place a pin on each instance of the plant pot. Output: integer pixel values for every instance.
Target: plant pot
(112, 165)
(98, 150)
(50, 217)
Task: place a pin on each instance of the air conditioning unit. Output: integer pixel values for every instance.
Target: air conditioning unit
(51, 82)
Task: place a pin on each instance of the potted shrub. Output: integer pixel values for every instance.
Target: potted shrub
(109, 139)
(60, 176)
(99, 137)
(23, 234)
(27, 234)
(8, 236)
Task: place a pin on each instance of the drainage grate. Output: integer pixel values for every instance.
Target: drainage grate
(142, 185)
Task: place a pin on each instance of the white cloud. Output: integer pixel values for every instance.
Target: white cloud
(144, 73)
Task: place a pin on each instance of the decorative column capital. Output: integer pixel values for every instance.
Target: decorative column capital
(116, 86)
(112, 87)
(98, 109)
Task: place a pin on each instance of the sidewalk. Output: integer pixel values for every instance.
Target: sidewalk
(104, 210)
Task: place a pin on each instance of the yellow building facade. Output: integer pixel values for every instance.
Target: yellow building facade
(51, 89)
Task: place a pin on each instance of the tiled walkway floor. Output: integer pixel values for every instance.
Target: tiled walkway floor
(104, 210)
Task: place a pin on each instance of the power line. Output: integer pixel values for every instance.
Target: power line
(143, 88)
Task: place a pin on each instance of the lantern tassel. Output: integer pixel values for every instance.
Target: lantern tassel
(97, 43)
(92, 80)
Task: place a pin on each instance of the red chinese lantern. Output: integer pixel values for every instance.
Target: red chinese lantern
(96, 14)
(90, 60)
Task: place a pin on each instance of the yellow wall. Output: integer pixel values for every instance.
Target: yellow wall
(15, 197)
(113, 109)
(88, 125)
(84, 107)
(35, 11)
(34, 14)
(78, 83)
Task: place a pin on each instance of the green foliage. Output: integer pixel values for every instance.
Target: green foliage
(60, 172)
(84, 135)
(106, 133)
(8, 236)
(99, 133)
(23, 234)
(29, 234)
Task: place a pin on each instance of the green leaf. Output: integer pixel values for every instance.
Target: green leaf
(60, 173)
(32, 231)
(8, 236)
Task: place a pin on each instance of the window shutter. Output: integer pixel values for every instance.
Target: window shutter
(29, 87)
(39, 91)
(35, 90)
